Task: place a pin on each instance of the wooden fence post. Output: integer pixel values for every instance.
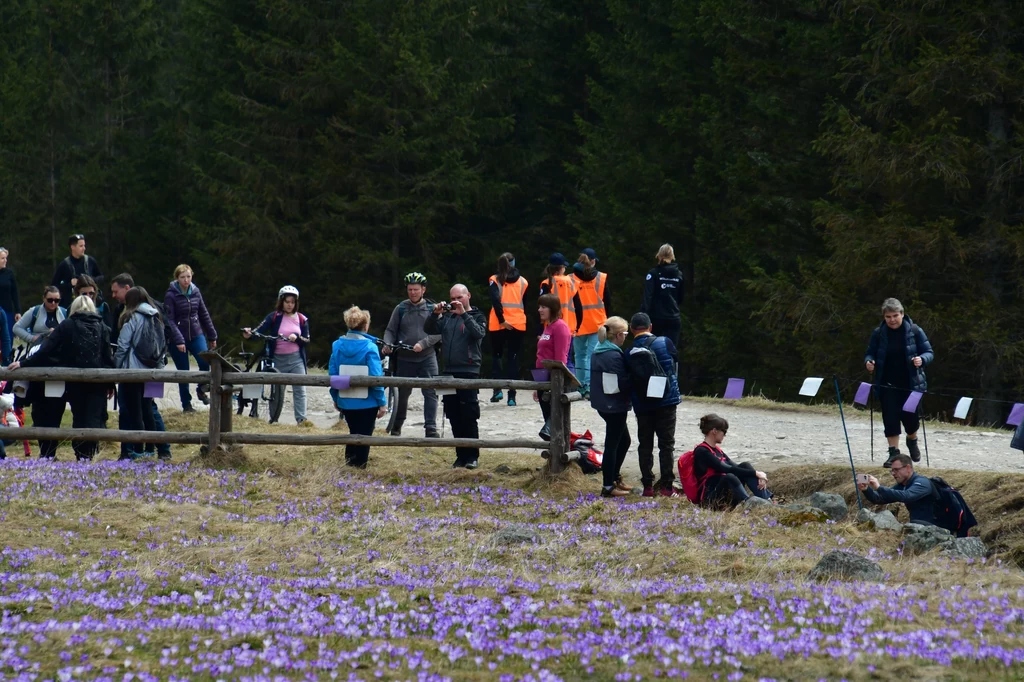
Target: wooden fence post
(562, 381)
(216, 404)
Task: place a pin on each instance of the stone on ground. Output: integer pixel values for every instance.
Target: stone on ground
(516, 535)
(830, 503)
(837, 565)
(919, 539)
(883, 520)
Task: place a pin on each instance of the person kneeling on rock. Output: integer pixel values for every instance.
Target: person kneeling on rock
(720, 481)
(912, 489)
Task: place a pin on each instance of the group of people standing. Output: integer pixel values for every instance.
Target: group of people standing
(73, 327)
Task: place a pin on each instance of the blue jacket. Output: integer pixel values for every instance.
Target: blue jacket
(665, 351)
(917, 493)
(357, 348)
(271, 326)
(917, 345)
(609, 359)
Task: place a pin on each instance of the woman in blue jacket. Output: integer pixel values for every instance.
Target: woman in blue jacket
(897, 355)
(611, 400)
(358, 348)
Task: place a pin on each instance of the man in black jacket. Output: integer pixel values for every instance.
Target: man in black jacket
(71, 268)
(462, 328)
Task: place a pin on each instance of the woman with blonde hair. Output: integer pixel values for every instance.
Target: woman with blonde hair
(609, 395)
(358, 348)
(663, 294)
(190, 327)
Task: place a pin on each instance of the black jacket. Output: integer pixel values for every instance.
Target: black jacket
(663, 292)
(461, 338)
(10, 301)
(917, 346)
(70, 268)
(81, 340)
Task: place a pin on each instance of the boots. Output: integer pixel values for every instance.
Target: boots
(511, 397)
(913, 449)
(545, 432)
(497, 396)
(892, 457)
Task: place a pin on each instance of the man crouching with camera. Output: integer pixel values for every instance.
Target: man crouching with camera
(462, 328)
(912, 489)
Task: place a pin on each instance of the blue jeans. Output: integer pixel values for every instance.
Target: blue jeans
(196, 346)
(583, 346)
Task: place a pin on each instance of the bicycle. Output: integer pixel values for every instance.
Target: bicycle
(261, 362)
(389, 370)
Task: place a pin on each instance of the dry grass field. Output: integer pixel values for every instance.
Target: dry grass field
(281, 563)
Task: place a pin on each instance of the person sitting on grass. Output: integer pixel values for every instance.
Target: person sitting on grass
(912, 489)
(720, 481)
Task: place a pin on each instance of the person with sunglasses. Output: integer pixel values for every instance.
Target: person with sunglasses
(65, 278)
(87, 287)
(720, 481)
(912, 489)
(38, 321)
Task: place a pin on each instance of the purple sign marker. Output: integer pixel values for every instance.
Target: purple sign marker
(541, 374)
(912, 402)
(863, 393)
(1016, 415)
(153, 389)
(734, 391)
(340, 382)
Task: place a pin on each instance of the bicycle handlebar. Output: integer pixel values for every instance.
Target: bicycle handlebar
(395, 346)
(264, 337)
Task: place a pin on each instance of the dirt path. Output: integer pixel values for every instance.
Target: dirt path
(763, 437)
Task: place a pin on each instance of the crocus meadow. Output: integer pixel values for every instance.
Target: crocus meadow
(176, 572)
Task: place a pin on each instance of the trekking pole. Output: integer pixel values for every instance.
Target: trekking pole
(924, 432)
(871, 410)
(853, 469)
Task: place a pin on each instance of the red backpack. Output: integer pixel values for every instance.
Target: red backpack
(693, 488)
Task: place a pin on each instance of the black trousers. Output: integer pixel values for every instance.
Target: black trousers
(360, 422)
(506, 345)
(892, 401)
(463, 412)
(616, 444)
(662, 422)
(135, 413)
(668, 327)
(728, 490)
(88, 411)
(47, 413)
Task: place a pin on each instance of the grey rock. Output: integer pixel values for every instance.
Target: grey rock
(830, 503)
(837, 565)
(502, 469)
(965, 548)
(919, 539)
(883, 520)
(752, 502)
(516, 535)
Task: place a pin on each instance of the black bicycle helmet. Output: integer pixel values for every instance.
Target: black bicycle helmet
(416, 278)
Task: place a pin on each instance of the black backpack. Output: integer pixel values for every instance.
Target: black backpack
(951, 511)
(150, 343)
(642, 364)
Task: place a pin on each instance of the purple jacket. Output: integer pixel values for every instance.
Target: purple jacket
(187, 316)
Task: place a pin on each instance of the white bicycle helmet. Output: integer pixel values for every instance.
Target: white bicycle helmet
(288, 290)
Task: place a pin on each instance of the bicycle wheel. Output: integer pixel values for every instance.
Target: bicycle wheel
(275, 399)
(392, 407)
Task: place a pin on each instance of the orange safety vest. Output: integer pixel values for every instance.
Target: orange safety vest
(512, 307)
(565, 289)
(592, 297)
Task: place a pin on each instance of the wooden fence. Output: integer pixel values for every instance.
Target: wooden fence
(224, 379)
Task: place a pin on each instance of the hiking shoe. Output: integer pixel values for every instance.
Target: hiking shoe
(306, 424)
(397, 431)
(669, 492)
(432, 433)
(203, 396)
(164, 457)
(623, 486)
(613, 492)
(887, 464)
(472, 465)
(497, 397)
(188, 409)
(913, 449)
(545, 433)
(648, 491)
(511, 402)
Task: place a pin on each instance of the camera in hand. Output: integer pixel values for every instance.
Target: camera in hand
(447, 306)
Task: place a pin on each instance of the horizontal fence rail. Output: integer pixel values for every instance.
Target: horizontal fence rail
(224, 379)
